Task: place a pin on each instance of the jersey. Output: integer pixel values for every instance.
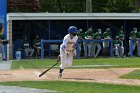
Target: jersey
(1, 36)
(80, 35)
(88, 35)
(133, 34)
(37, 42)
(107, 35)
(121, 35)
(68, 43)
(138, 35)
(97, 35)
(117, 43)
(25, 44)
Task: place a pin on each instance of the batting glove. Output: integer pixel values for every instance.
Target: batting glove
(67, 54)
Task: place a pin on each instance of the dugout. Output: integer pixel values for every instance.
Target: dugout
(53, 26)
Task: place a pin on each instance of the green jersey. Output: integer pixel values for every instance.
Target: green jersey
(97, 35)
(117, 43)
(1, 36)
(107, 35)
(88, 34)
(80, 35)
(121, 35)
(37, 42)
(138, 34)
(133, 34)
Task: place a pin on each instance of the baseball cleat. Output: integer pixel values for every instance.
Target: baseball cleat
(60, 76)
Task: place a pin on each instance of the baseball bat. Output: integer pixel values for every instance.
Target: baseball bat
(47, 70)
(50, 67)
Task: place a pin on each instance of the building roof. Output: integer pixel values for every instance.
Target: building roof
(72, 16)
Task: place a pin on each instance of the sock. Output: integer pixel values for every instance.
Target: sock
(61, 70)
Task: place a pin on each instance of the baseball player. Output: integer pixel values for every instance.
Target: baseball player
(89, 36)
(133, 35)
(118, 49)
(27, 49)
(97, 36)
(68, 49)
(121, 35)
(106, 35)
(138, 46)
(80, 35)
(36, 46)
(2, 54)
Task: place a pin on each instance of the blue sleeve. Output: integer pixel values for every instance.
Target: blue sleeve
(63, 47)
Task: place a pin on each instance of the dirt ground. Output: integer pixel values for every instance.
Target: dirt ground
(87, 75)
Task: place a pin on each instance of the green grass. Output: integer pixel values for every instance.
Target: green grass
(132, 75)
(76, 87)
(116, 62)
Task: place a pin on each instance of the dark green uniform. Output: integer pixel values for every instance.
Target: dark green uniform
(138, 35)
(133, 34)
(118, 48)
(117, 43)
(2, 54)
(88, 35)
(107, 35)
(88, 45)
(37, 46)
(121, 36)
(80, 35)
(1, 36)
(97, 35)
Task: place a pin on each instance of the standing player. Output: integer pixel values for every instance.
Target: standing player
(138, 47)
(106, 35)
(89, 36)
(80, 35)
(118, 49)
(2, 54)
(27, 48)
(133, 36)
(121, 35)
(68, 49)
(97, 36)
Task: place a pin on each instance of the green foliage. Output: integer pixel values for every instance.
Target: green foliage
(73, 6)
(76, 87)
(132, 75)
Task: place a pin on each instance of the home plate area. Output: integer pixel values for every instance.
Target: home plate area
(82, 75)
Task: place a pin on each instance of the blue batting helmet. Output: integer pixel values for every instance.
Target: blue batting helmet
(72, 29)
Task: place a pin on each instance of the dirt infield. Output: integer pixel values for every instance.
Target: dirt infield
(86, 75)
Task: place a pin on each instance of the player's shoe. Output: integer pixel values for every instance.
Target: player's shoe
(60, 76)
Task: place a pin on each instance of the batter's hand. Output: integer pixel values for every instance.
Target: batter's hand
(67, 54)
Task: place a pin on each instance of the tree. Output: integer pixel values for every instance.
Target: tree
(23, 5)
(71, 6)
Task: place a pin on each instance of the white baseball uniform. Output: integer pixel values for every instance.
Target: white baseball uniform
(67, 46)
